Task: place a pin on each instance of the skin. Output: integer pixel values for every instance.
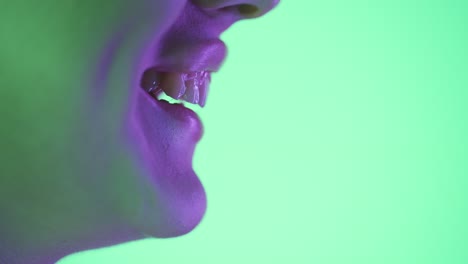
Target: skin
(90, 161)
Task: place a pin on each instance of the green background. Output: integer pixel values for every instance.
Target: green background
(335, 133)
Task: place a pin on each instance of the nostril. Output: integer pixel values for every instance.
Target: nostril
(244, 10)
(241, 9)
(248, 10)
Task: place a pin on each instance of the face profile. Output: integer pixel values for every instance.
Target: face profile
(98, 125)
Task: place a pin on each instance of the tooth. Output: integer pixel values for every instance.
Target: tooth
(151, 80)
(205, 81)
(192, 94)
(173, 84)
(157, 92)
(191, 75)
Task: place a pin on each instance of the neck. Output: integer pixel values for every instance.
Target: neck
(14, 250)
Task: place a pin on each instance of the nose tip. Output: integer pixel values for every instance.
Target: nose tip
(244, 8)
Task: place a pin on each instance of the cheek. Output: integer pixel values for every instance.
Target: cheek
(156, 11)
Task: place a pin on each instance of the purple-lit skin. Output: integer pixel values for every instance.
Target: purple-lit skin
(112, 165)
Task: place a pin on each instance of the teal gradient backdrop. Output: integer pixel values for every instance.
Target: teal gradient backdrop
(335, 133)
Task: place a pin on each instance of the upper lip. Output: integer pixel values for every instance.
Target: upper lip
(191, 55)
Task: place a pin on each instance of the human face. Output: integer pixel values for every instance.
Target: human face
(119, 160)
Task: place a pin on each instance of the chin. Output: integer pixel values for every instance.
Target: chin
(177, 211)
(163, 139)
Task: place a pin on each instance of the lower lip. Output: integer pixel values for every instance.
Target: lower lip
(181, 113)
(177, 109)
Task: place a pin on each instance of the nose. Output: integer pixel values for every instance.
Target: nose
(243, 8)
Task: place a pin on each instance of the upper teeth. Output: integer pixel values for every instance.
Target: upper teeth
(190, 87)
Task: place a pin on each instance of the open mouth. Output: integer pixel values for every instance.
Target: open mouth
(177, 87)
